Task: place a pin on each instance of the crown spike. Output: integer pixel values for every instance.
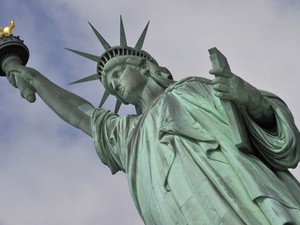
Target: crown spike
(86, 79)
(123, 41)
(104, 98)
(118, 105)
(86, 55)
(100, 38)
(140, 42)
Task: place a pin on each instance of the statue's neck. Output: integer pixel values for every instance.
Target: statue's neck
(151, 92)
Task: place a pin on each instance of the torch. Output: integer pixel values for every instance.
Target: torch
(14, 52)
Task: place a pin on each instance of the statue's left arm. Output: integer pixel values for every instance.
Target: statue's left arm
(269, 121)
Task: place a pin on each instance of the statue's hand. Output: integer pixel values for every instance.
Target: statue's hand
(19, 77)
(229, 86)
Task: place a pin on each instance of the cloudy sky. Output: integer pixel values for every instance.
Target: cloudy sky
(49, 171)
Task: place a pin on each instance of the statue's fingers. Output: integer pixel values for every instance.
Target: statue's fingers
(222, 88)
(221, 72)
(26, 90)
(215, 71)
(12, 80)
(29, 94)
(221, 80)
(224, 96)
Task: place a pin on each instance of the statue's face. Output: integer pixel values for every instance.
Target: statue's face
(126, 82)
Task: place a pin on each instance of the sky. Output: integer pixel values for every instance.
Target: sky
(49, 171)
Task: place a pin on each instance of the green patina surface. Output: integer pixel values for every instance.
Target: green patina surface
(179, 152)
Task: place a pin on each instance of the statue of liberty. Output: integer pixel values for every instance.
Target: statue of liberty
(177, 152)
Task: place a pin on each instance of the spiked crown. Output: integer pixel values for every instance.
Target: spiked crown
(112, 52)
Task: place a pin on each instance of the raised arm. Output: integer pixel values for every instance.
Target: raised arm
(68, 106)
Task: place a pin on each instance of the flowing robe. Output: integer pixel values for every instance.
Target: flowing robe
(183, 168)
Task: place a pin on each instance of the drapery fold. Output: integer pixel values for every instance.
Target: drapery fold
(179, 156)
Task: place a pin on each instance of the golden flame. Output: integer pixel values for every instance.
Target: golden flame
(7, 31)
